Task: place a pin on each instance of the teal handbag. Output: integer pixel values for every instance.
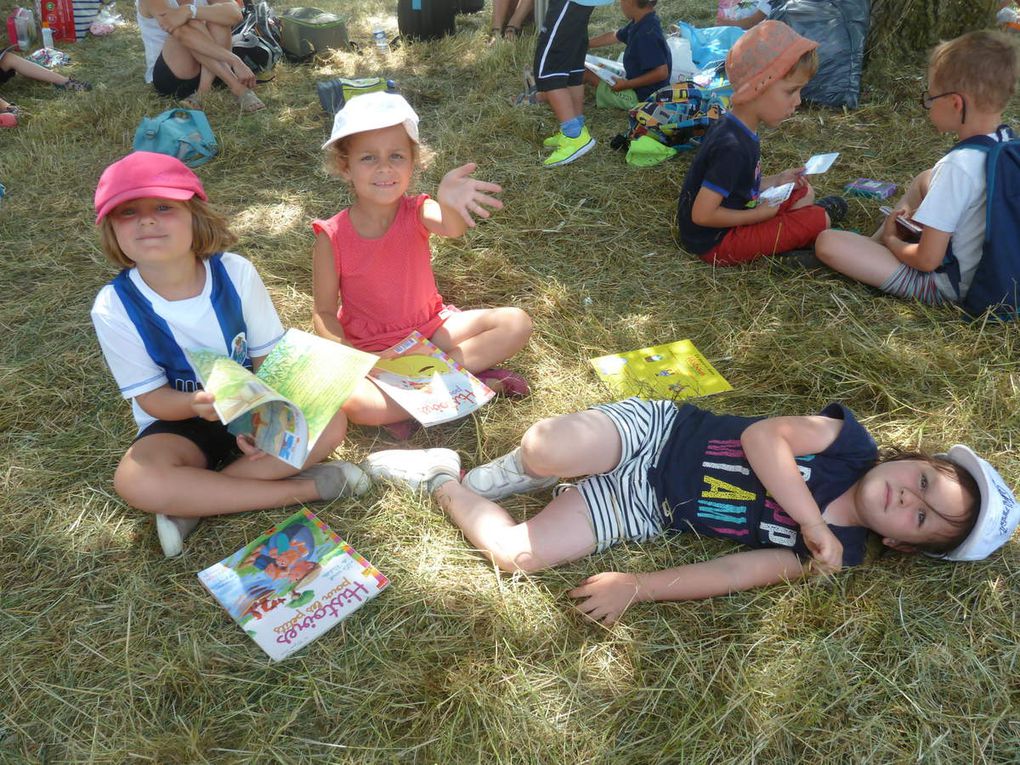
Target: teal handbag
(181, 133)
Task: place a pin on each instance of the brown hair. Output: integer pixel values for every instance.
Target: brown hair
(981, 65)
(807, 65)
(209, 234)
(962, 526)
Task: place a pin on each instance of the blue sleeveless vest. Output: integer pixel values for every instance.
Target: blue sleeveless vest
(159, 340)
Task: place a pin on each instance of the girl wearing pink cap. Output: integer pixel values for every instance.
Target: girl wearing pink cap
(721, 216)
(372, 269)
(179, 290)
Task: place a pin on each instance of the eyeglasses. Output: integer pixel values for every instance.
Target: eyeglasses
(927, 100)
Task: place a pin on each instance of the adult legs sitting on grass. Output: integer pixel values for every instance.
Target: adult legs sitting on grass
(194, 50)
(169, 475)
(574, 445)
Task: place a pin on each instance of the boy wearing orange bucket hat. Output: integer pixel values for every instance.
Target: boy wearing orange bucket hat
(720, 215)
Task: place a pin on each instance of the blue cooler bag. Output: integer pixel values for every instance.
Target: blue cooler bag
(181, 133)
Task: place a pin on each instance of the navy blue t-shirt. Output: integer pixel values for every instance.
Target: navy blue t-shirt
(704, 482)
(728, 162)
(646, 50)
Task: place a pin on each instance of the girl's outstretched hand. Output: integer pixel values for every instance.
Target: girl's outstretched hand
(826, 549)
(459, 191)
(606, 596)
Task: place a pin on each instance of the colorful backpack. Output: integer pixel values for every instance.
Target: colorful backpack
(996, 283)
(679, 114)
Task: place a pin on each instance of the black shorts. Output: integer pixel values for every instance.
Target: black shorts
(169, 84)
(562, 46)
(5, 74)
(214, 440)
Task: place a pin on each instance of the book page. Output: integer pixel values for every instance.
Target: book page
(316, 374)
(671, 371)
(236, 389)
(430, 385)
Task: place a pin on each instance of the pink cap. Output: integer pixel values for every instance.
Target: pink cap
(145, 174)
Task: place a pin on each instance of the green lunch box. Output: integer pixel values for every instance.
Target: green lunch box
(309, 30)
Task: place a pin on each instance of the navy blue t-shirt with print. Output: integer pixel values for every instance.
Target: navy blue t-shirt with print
(728, 162)
(704, 482)
(646, 50)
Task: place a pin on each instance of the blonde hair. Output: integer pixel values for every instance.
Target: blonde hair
(807, 65)
(981, 65)
(210, 234)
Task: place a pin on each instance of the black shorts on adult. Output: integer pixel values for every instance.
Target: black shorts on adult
(6, 74)
(562, 46)
(169, 84)
(214, 440)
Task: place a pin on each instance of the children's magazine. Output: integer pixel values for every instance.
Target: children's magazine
(292, 584)
(299, 387)
(430, 385)
(670, 371)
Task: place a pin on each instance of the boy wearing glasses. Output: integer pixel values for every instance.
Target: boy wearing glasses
(970, 81)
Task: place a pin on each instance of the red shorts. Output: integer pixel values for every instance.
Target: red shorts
(788, 230)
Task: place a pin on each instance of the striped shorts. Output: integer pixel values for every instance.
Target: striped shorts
(622, 502)
(907, 282)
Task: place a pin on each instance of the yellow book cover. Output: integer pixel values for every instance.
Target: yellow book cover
(669, 371)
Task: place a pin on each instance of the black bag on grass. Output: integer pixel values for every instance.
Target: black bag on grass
(256, 39)
(427, 19)
(840, 28)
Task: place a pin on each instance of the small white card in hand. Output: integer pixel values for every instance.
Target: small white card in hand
(819, 163)
(776, 195)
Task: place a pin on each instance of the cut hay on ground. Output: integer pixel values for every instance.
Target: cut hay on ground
(111, 654)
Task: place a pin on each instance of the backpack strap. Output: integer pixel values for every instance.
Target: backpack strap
(158, 338)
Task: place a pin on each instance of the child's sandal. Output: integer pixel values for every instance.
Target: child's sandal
(11, 109)
(73, 85)
(250, 103)
(511, 32)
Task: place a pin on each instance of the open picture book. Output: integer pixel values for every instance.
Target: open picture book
(670, 371)
(287, 404)
(425, 381)
(293, 583)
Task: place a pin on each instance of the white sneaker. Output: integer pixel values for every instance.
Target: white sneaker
(172, 530)
(412, 467)
(504, 477)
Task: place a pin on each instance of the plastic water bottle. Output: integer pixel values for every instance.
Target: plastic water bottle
(47, 35)
(382, 45)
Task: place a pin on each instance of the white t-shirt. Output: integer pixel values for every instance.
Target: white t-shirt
(153, 36)
(955, 203)
(192, 321)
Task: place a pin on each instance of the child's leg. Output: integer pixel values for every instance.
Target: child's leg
(572, 445)
(859, 257)
(30, 70)
(167, 474)
(368, 405)
(560, 533)
(481, 338)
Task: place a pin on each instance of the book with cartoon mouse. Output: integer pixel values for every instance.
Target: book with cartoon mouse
(428, 383)
(287, 404)
(669, 371)
(292, 584)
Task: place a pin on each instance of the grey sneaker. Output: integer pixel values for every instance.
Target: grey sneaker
(337, 479)
(504, 477)
(414, 468)
(172, 530)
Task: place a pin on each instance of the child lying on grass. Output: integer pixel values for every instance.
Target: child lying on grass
(802, 492)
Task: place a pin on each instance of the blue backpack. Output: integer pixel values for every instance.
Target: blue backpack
(181, 133)
(996, 283)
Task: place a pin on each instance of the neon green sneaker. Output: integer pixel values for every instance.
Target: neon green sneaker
(570, 149)
(554, 140)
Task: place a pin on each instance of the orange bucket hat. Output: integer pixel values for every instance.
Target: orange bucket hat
(763, 54)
